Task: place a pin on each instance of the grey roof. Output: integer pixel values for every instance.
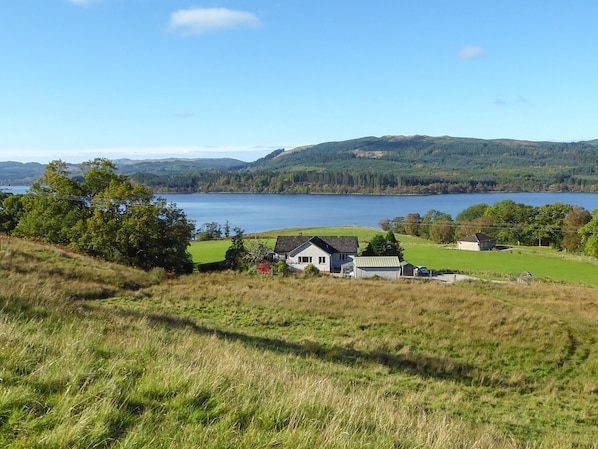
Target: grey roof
(287, 243)
(377, 262)
(478, 237)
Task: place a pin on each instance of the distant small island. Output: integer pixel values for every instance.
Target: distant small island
(387, 165)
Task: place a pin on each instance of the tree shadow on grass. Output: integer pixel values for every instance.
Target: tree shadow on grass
(411, 363)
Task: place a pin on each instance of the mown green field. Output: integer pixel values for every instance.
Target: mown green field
(542, 263)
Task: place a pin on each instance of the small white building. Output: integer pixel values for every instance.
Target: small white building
(327, 254)
(387, 267)
(476, 242)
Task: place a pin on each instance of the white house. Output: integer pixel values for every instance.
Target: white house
(387, 267)
(476, 242)
(327, 254)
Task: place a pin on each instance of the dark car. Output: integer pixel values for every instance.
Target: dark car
(422, 271)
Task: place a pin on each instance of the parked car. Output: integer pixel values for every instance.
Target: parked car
(422, 270)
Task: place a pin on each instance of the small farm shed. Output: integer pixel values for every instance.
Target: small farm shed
(327, 254)
(476, 242)
(388, 267)
(407, 269)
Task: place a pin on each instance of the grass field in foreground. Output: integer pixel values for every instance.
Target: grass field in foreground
(541, 262)
(100, 355)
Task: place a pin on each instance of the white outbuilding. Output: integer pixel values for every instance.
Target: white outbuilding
(476, 242)
(387, 267)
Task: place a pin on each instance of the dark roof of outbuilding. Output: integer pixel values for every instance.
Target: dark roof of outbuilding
(478, 237)
(287, 243)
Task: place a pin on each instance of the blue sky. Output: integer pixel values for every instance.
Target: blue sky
(189, 78)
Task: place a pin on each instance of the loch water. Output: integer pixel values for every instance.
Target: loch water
(264, 212)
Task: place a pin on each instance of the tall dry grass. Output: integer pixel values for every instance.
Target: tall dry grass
(118, 381)
(227, 360)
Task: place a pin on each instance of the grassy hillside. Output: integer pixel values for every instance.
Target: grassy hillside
(97, 355)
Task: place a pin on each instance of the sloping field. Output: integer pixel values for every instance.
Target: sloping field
(226, 360)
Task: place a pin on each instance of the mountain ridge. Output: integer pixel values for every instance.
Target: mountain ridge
(390, 164)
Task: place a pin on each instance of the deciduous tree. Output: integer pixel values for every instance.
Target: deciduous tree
(412, 224)
(589, 235)
(103, 214)
(575, 219)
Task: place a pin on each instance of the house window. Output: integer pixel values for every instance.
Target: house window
(321, 260)
(304, 259)
(343, 256)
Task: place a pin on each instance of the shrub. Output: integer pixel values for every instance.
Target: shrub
(264, 268)
(281, 268)
(311, 270)
(157, 275)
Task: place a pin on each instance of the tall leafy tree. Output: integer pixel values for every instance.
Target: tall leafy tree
(547, 223)
(234, 255)
(481, 224)
(575, 219)
(511, 219)
(442, 230)
(53, 207)
(430, 217)
(377, 246)
(103, 214)
(412, 224)
(394, 247)
(381, 245)
(472, 213)
(589, 235)
(11, 210)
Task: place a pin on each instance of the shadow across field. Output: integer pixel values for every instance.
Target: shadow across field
(413, 363)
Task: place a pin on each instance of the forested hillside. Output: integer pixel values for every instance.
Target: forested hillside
(399, 164)
(385, 165)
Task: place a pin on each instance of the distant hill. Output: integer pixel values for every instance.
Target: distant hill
(388, 164)
(17, 173)
(429, 155)
(416, 165)
(173, 165)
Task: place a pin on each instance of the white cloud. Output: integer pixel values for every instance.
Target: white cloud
(205, 20)
(503, 102)
(471, 52)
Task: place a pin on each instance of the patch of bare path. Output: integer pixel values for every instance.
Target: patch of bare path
(450, 278)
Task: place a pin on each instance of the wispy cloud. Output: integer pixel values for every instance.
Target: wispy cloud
(471, 52)
(502, 102)
(206, 20)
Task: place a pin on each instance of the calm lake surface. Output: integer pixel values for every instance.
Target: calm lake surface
(264, 212)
